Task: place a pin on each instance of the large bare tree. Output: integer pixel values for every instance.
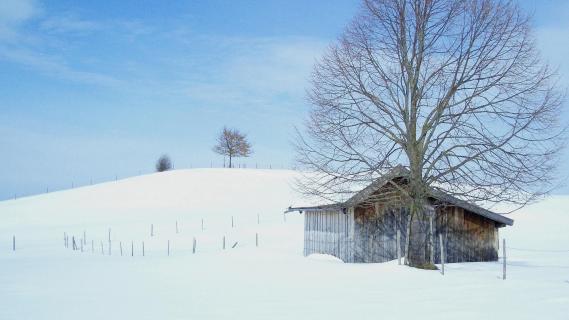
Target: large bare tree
(454, 90)
(232, 143)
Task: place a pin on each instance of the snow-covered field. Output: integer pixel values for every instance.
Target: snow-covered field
(44, 280)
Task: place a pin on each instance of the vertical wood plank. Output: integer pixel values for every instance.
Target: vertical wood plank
(398, 247)
(442, 254)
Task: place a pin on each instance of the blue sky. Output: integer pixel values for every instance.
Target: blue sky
(90, 89)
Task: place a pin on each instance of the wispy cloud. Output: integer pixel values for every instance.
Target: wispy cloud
(54, 67)
(260, 74)
(209, 70)
(69, 23)
(13, 13)
(16, 11)
(20, 46)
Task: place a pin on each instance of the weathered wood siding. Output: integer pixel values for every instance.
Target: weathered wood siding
(329, 232)
(375, 234)
(368, 234)
(467, 237)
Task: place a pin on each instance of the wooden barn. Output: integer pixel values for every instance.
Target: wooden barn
(364, 228)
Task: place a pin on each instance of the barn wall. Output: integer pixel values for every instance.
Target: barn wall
(467, 237)
(375, 234)
(329, 232)
(368, 234)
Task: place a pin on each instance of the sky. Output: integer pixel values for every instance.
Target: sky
(93, 90)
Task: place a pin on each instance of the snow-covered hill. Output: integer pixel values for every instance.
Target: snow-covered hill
(44, 280)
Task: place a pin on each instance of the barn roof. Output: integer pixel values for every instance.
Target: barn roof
(401, 172)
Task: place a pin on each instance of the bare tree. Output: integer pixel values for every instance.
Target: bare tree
(454, 90)
(232, 143)
(164, 163)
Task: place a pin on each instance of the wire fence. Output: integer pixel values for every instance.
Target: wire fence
(85, 182)
(176, 238)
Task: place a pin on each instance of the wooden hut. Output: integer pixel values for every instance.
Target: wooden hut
(365, 228)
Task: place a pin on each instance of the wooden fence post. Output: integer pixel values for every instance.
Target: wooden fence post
(132, 248)
(256, 239)
(223, 242)
(194, 246)
(398, 243)
(497, 240)
(442, 254)
(109, 247)
(143, 248)
(504, 254)
(152, 230)
(109, 234)
(120, 245)
(74, 243)
(431, 239)
(14, 243)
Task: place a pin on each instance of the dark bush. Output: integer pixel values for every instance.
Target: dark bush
(164, 163)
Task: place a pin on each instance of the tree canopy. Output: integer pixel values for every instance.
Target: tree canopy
(455, 90)
(232, 143)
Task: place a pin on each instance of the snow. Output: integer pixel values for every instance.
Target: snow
(44, 280)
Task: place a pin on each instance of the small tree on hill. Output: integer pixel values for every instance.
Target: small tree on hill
(164, 163)
(232, 143)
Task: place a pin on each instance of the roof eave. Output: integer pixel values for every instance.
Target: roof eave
(329, 207)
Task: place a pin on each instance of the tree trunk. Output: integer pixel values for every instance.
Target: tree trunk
(418, 238)
(418, 235)
(230, 161)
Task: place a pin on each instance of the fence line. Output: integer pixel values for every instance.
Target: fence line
(249, 237)
(115, 177)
